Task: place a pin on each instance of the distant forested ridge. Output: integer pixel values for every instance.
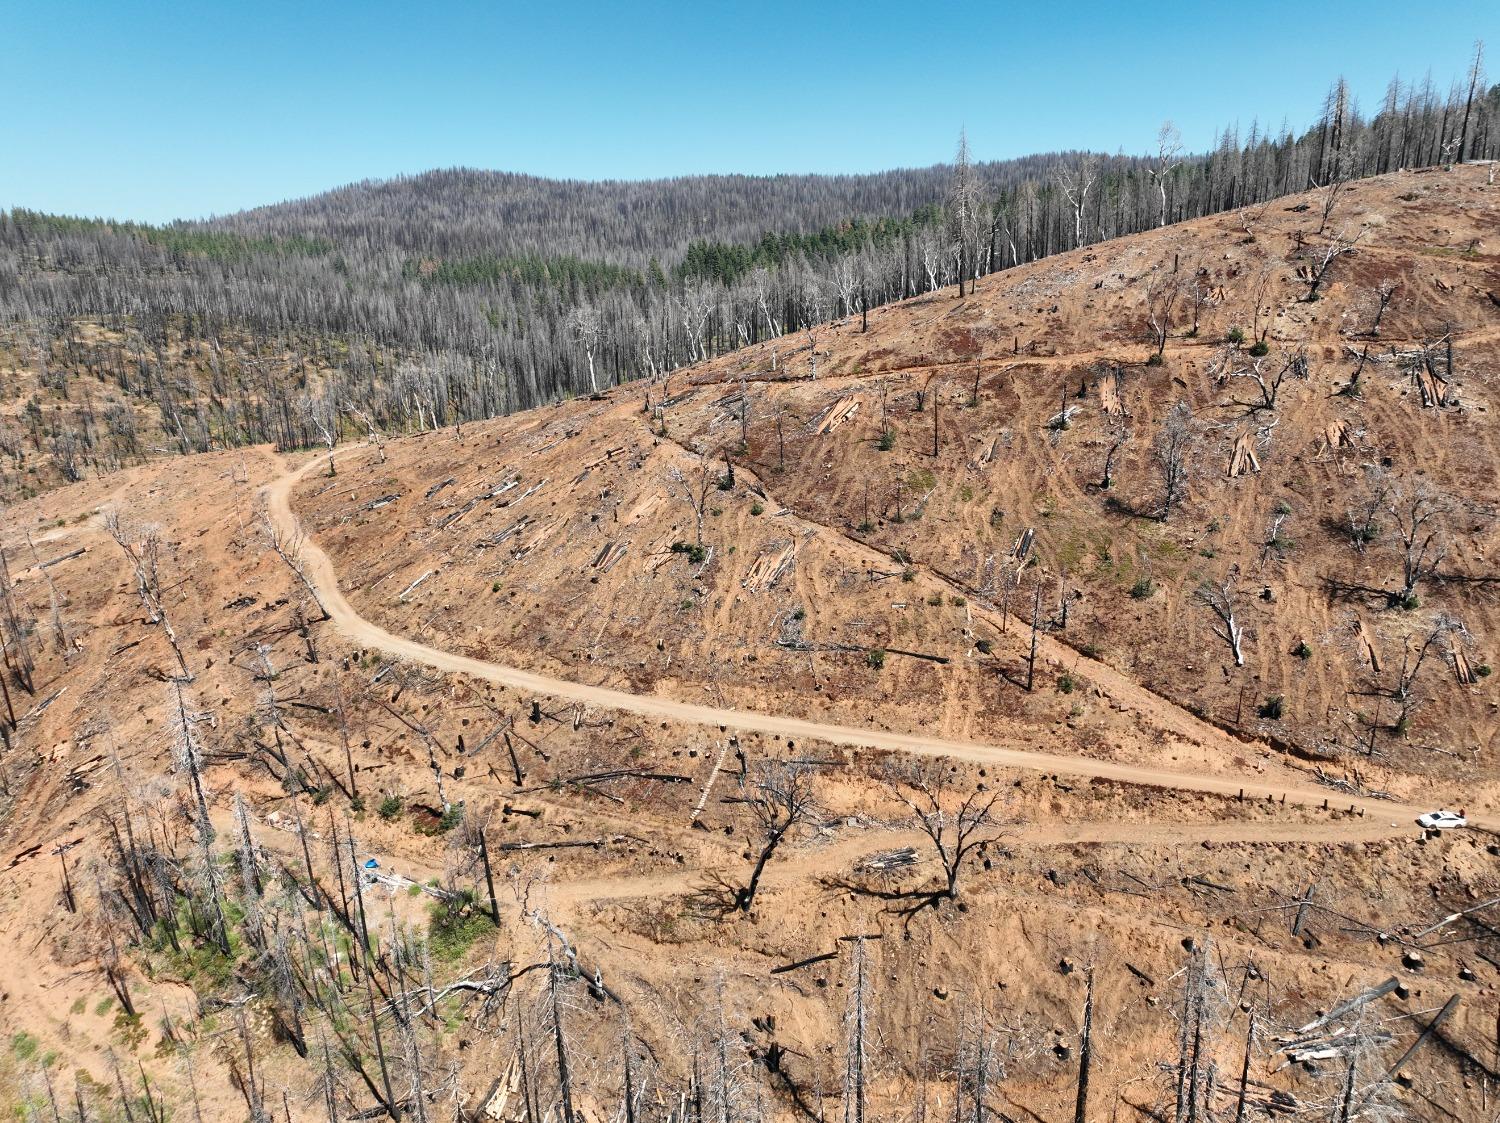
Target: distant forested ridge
(459, 294)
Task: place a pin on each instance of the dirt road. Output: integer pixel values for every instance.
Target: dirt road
(319, 570)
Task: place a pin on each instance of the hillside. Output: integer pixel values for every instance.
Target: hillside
(566, 675)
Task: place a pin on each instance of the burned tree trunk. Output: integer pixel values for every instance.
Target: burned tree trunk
(1085, 1055)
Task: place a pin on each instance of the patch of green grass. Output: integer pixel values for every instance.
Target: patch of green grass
(1142, 589)
(453, 926)
(1065, 683)
(105, 1006)
(24, 1046)
(875, 657)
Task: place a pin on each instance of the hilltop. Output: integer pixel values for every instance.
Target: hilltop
(950, 570)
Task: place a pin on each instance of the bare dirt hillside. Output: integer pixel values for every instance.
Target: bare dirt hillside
(860, 604)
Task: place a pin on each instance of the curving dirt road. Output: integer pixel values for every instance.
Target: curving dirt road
(319, 570)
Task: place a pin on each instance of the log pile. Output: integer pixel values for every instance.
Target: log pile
(836, 414)
(608, 557)
(1243, 458)
(769, 567)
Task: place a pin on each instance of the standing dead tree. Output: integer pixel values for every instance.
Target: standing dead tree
(1321, 259)
(780, 799)
(692, 488)
(1363, 517)
(1219, 599)
(1383, 294)
(64, 647)
(1416, 511)
(696, 305)
(288, 547)
(963, 214)
(586, 327)
(322, 414)
(1119, 438)
(955, 832)
(189, 757)
(1168, 157)
(144, 553)
(1445, 632)
(16, 626)
(1294, 365)
(1085, 1054)
(473, 849)
(372, 433)
(1075, 180)
(1196, 1074)
(1170, 453)
(1161, 301)
(955, 829)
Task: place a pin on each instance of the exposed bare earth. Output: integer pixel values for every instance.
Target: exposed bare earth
(1289, 787)
(509, 622)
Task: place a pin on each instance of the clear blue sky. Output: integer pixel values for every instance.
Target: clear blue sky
(156, 110)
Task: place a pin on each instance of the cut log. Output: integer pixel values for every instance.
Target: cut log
(1348, 1006)
(1366, 646)
(591, 843)
(1022, 549)
(917, 655)
(415, 583)
(1434, 388)
(64, 557)
(808, 962)
(1461, 669)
